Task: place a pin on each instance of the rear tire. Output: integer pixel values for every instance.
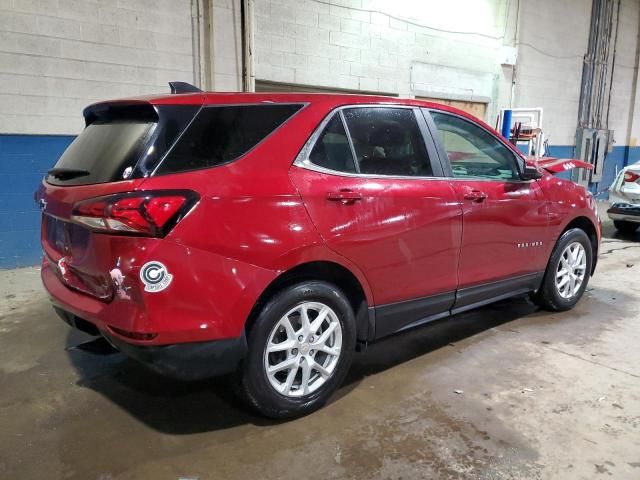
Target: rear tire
(567, 273)
(300, 349)
(625, 227)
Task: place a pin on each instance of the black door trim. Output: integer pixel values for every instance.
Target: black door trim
(430, 144)
(472, 297)
(396, 317)
(435, 138)
(393, 317)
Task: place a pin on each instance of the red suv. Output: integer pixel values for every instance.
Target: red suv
(272, 234)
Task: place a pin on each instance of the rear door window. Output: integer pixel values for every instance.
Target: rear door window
(221, 134)
(388, 141)
(332, 150)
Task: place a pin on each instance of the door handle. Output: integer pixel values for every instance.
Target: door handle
(475, 196)
(346, 197)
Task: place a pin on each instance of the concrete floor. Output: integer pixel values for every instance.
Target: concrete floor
(543, 396)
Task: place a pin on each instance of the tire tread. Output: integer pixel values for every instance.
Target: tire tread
(547, 296)
(268, 402)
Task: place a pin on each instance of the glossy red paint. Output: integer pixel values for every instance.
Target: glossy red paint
(499, 217)
(396, 231)
(259, 217)
(567, 201)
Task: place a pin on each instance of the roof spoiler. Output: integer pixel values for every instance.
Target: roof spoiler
(183, 87)
(129, 109)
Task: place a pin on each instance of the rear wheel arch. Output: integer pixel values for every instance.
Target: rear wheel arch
(327, 271)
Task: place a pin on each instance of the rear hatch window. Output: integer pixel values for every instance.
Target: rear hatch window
(120, 142)
(123, 142)
(102, 153)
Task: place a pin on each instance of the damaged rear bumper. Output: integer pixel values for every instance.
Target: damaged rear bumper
(187, 361)
(183, 361)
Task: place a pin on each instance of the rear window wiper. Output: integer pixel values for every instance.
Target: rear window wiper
(67, 173)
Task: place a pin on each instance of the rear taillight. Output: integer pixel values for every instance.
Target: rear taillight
(151, 213)
(631, 176)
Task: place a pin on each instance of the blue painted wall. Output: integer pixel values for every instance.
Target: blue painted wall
(23, 161)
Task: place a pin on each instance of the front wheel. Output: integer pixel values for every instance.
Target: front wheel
(300, 349)
(568, 271)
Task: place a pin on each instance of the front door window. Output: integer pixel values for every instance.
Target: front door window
(473, 152)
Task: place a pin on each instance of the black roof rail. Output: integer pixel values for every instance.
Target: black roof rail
(183, 87)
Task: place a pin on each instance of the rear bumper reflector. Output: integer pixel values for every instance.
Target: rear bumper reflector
(139, 336)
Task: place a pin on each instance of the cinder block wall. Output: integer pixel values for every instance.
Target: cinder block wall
(553, 40)
(624, 116)
(56, 57)
(367, 45)
(227, 46)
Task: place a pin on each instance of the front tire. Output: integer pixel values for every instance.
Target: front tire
(625, 227)
(300, 349)
(568, 272)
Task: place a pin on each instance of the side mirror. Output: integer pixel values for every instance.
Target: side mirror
(530, 173)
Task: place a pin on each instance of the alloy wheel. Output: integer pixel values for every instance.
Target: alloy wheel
(303, 349)
(571, 270)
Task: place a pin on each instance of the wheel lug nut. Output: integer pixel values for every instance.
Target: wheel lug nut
(294, 351)
(310, 352)
(300, 338)
(311, 339)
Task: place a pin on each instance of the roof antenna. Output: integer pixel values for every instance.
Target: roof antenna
(183, 87)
